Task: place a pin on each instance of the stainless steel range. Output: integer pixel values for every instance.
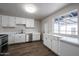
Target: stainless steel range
(3, 43)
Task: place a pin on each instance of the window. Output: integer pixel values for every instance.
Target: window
(56, 30)
(67, 24)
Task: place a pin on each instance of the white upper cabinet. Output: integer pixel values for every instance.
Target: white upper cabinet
(26, 21)
(5, 21)
(12, 21)
(23, 21)
(20, 20)
(29, 22)
(8, 21)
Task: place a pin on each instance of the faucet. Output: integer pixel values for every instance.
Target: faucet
(21, 30)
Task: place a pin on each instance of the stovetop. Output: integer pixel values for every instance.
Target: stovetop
(2, 35)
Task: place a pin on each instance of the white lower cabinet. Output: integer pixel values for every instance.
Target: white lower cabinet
(19, 38)
(60, 47)
(11, 38)
(36, 36)
(52, 42)
(26, 38)
(49, 41)
(16, 38)
(55, 44)
(45, 40)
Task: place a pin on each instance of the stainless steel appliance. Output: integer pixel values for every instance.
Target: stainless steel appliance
(3, 43)
(30, 37)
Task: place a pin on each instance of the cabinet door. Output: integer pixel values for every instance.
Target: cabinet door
(5, 21)
(58, 45)
(45, 40)
(12, 21)
(22, 38)
(49, 43)
(23, 21)
(36, 36)
(11, 39)
(17, 38)
(27, 38)
(55, 44)
(29, 22)
(20, 20)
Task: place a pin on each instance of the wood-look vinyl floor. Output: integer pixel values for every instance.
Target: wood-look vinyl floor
(29, 49)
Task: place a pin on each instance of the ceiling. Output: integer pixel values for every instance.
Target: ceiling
(17, 9)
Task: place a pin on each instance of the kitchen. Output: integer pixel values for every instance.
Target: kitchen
(36, 29)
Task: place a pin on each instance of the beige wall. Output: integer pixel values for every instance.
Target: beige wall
(51, 18)
(19, 27)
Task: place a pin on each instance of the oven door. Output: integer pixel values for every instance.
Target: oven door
(4, 48)
(4, 40)
(0, 42)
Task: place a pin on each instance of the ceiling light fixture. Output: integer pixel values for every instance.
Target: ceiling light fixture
(30, 8)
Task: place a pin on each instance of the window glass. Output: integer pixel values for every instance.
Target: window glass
(67, 24)
(56, 30)
(72, 27)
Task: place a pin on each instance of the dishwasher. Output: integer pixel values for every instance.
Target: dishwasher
(29, 37)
